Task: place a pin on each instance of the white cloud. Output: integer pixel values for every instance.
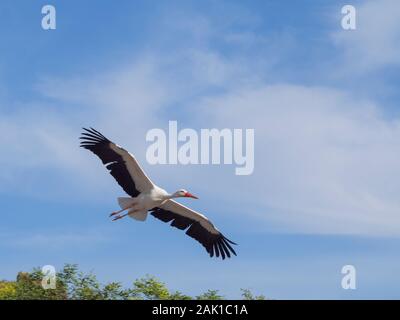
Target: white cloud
(41, 138)
(325, 162)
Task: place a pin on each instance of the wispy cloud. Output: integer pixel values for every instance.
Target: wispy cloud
(326, 161)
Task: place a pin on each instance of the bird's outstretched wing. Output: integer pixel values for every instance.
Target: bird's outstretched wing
(198, 227)
(121, 164)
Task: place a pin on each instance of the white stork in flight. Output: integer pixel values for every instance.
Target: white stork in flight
(146, 197)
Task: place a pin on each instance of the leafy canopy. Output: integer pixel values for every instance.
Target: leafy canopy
(72, 284)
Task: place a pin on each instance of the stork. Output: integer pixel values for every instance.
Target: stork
(146, 197)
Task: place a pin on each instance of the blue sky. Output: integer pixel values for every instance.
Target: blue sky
(323, 103)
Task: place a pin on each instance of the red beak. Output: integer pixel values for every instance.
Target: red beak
(189, 195)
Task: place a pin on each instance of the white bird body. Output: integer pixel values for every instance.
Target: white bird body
(146, 197)
(145, 201)
(153, 198)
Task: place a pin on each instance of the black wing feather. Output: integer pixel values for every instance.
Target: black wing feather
(100, 146)
(215, 244)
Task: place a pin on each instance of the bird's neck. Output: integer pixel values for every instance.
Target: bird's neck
(169, 196)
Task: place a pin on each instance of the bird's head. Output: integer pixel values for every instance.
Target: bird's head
(182, 193)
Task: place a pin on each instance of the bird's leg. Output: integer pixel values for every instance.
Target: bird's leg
(120, 217)
(134, 208)
(119, 211)
(128, 207)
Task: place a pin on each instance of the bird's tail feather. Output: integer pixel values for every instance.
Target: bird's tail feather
(125, 202)
(138, 215)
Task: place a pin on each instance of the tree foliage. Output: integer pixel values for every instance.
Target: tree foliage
(210, 295)
(72, 284)
(248, 295)
(7, 290)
